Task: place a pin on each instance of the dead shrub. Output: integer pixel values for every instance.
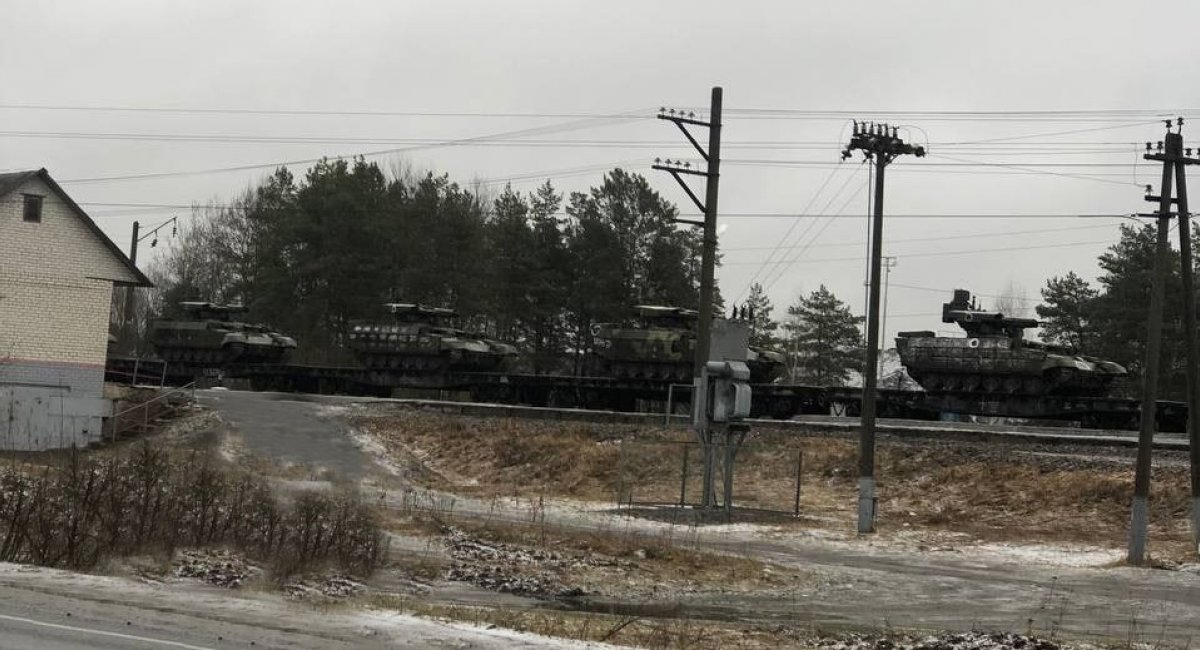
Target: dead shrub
(80, 510)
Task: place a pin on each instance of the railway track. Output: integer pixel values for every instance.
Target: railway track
(647, 395)
(823, 425)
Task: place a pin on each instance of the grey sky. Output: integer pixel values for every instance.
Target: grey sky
(632, 57)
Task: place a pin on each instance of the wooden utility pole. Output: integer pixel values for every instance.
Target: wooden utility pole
(128, 311)
(128, 331)
(712, 156)
(880, 143)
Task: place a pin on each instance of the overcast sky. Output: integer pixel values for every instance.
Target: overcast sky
(793, 74)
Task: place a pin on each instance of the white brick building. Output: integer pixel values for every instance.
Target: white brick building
(57, 272)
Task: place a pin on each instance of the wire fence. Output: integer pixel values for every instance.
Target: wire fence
(655, 473)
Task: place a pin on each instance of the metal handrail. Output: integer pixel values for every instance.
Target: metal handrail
(145, 406)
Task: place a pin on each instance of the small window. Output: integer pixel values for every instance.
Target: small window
(33, 207)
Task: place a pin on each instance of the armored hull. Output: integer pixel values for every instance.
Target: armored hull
(420, 340)
(652, 350)
(994, 358)
(207, 336)
(661, 344)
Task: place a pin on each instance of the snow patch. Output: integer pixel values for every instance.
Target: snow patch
(458, 634)
(1068, 556)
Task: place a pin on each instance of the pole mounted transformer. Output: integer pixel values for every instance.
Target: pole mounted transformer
(881, 144)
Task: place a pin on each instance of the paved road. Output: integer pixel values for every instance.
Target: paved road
(287, 427)
(47, 609)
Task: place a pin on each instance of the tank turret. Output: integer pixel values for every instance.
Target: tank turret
(995, 357)
(422, 339)
(207, 335)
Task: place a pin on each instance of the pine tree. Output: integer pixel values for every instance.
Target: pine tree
(824, 340)
(762, 326)
(1067, 314)
(1119, 312)
(510, 245)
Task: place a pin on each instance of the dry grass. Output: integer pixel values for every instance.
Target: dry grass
(993, 491)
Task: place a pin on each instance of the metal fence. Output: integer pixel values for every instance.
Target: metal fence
(655, 473)
(140, 417)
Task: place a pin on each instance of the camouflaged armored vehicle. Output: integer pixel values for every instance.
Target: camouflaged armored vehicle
(660, 343)
(423, 340)
(994, 357)
(208, 335)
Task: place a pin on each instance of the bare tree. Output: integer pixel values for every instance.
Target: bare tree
(1013, 301)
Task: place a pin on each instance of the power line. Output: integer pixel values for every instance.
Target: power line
(1011, 169)
(787, 267)
(945, 253)
(633, 144)
(630, 115)
(791, 228)
(1013, 233)
(558, 128)
(1001, 115)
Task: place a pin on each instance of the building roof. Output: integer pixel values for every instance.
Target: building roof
(13, 180)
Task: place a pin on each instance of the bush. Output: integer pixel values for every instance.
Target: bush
(76, 512)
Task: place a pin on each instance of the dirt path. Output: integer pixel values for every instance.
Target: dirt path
(286, 427)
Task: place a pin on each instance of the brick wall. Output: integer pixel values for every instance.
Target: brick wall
(55, 283)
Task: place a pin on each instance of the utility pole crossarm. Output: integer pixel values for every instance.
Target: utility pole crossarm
(674, 170)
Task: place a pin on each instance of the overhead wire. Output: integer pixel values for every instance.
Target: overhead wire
(318, 112)
(557, 128)
(791, 228)
(1013, 233)
(787, 267)
(946, 253)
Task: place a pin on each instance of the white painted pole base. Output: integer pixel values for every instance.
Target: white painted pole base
(1139, 520)
(866, 504)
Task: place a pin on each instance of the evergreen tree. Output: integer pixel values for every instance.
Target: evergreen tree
(549, 277)
(1067, 313)
(654, 257)
(824, 340)
(1119, 312)
(762, 327)
(510, 267)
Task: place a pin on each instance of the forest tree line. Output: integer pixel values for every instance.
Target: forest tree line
(311, 255)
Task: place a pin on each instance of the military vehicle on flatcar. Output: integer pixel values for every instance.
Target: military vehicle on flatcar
(994, 357)
(207, 335)
(422, 339)
(659, 342)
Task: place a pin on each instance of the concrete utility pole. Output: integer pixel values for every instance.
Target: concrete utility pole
(1174, 162)
(1189, 326)
(878, 142)
(708, 261)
